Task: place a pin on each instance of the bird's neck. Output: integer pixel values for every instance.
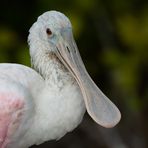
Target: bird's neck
(50, 68)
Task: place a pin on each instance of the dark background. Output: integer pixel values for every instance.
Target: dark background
(112, 36)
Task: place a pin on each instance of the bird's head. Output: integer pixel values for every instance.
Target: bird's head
(53, 31)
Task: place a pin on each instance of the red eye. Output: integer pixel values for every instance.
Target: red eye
(48, 31)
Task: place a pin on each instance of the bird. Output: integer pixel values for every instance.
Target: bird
(46, 101)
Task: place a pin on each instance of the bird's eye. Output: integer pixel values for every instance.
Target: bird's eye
(48, 31)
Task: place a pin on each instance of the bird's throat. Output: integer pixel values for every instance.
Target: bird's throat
(52, 70)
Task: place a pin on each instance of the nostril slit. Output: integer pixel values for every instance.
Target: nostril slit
(68, 49)
(75, 50)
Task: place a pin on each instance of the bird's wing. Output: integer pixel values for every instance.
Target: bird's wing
(22, 75)
(18, 85)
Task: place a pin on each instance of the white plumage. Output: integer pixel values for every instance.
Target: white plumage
(41, 105)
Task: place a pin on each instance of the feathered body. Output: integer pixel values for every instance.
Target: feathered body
(52, 109)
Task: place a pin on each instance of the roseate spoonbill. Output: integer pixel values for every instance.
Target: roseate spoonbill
(46, 103)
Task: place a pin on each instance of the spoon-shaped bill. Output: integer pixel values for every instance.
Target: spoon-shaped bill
(99, 107)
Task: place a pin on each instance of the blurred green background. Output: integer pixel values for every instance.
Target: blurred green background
(112, 36)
